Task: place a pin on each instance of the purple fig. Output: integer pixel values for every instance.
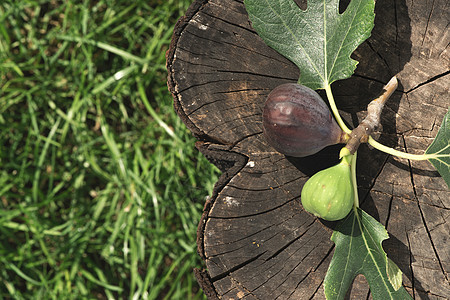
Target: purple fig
(297, 122)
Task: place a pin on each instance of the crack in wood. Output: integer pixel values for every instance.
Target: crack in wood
(256, 74)
(269, 278)
(237, 92)
(190, 51)
(396, 30)
(286, 277)
(232, 24)
(424, 221)
(234, 45)
(284, 265)
(380, 170)
(298, 284)
(368, 78)
(233, 145)
(274, 58)
(247, 237)
(380, 56)
(432, 79)
(234, 280)
(389, 209)
(413, 281)
(202, 84)
(316, 291)
(428, 23)
(235, 268)
(325, 257)
(256, 214)
(268, 188)
(239, 118)
(275, 254)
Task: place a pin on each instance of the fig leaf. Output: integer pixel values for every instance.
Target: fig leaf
(358, 250)
(441, 148)
(319, 40)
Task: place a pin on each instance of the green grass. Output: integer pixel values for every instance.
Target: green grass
(101, 188)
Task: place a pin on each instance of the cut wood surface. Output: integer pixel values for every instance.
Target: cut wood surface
(255, 238)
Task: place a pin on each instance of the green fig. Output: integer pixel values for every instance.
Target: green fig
(328, 194)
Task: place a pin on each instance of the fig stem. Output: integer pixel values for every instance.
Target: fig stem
(335, 111)
(361, 133)
(354, 180)
(402, 154)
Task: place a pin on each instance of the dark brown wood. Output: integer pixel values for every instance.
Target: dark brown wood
(255, 239)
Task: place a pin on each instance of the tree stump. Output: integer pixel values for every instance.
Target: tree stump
(255, 238)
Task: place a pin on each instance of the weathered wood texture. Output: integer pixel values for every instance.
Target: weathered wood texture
(256, 240)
